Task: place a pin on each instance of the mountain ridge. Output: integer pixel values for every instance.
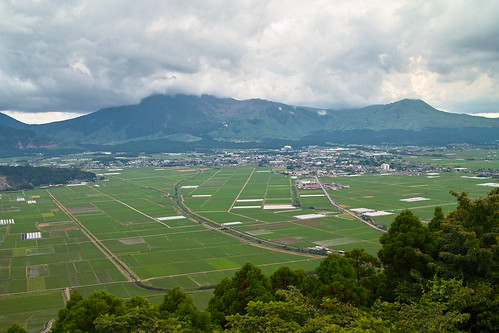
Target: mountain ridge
(168, 121)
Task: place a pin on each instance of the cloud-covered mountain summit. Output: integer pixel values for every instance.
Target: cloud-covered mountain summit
(201, 119)
(185, 122)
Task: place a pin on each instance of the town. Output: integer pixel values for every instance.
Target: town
(310, 161)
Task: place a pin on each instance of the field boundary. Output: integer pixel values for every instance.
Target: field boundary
(122, 268)
(128, 206)
(346, 211)
(243, 236)
(242, 189)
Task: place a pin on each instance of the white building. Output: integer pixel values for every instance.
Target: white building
(385, 166)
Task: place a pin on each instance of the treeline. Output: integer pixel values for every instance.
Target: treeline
(436, 278)
(26, 177)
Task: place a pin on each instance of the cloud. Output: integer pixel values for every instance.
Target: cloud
(40, 117)
(79, 56)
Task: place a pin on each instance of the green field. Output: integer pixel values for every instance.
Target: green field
(130, 215)
(243, 194)
(385, 192)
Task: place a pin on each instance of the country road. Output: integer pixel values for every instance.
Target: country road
(346, 211)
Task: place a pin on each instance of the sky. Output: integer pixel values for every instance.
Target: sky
(60, 59)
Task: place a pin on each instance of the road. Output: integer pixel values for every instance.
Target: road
(343, 210)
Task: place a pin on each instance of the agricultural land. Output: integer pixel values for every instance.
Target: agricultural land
(143, 229)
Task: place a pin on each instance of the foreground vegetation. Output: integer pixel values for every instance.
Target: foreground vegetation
(439, 278)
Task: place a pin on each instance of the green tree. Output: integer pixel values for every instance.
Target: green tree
(297, 313)
(407, 249)
(368, 271)
(289, 315)
(436, 221)
(232, 295)
(80, 313)
(338, 279)
(178, 304)
(469, 239)
(418, 317)
(284, 277)
(16, 328)
(138, 320)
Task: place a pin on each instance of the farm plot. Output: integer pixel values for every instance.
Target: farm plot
(472, 159)
(389, 193)
(145, 231)
(260, 191)
(31, 310)
(224, 187)
(62, 257)
(325, 231)
(132, 217)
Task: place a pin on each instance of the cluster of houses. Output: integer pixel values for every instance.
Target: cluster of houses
(311, 184)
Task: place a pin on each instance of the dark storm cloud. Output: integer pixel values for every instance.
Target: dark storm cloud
(84, 55)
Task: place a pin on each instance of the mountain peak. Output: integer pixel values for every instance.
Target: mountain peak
(187, 120)
(413, 102)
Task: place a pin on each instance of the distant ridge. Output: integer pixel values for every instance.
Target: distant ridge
(5, 120)
(184, 122)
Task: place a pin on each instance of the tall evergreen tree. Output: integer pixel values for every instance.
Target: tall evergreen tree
(407, 249)
(232, 295)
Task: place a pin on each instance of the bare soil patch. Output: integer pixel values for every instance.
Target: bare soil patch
(270, 224)
(84, 209)
(259, 232)
(37, 271)
(309, 223)
(71, 227)
(132, 241)
(286, 240)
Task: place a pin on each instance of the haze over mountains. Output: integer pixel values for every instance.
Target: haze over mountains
(184, 122)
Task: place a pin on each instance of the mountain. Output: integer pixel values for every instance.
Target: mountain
(15, 141)
(17, 138)
(184, 122)
(11, 122)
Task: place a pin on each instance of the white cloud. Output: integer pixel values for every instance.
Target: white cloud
(80, 56)
(40, 117)
(488, 115)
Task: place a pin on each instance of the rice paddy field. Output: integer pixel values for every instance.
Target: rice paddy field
(393, 193)
(130, 216)
(126, 225)
(259, 202)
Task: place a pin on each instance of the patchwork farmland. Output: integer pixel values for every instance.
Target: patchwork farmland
(127, 227)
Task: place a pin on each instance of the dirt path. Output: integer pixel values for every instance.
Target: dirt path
(242, 189)
(48, 326)
(66, 294)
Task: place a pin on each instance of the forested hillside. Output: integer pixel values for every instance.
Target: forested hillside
(437, 278)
